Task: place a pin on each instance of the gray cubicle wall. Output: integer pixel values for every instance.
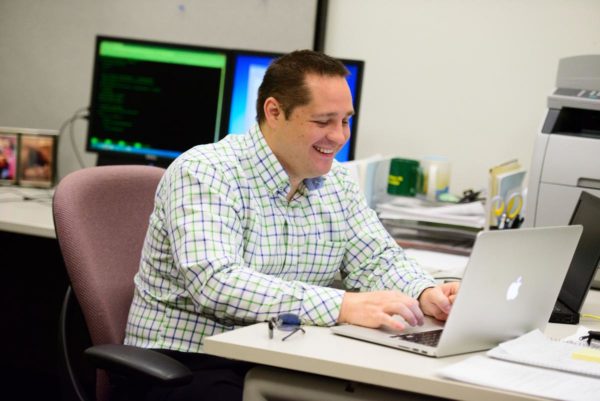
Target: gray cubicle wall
(47, 47)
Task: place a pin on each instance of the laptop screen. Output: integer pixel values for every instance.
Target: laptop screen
(587, 255)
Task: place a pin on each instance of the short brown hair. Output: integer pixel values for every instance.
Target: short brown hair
(285, 79)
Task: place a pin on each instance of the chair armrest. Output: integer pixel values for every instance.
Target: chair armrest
(138, 363)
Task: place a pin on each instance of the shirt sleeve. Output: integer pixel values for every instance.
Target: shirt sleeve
(374, 261)
(204, 217)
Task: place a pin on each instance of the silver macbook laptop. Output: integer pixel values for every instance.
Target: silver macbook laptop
(509, 287)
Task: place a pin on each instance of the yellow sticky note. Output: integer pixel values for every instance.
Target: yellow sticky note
(587, 354)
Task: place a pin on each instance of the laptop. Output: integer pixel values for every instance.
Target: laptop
(509, 288)
(584, 263)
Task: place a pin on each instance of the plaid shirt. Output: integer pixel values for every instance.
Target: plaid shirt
(225, 248)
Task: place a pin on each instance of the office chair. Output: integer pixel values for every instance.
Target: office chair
(101, 217)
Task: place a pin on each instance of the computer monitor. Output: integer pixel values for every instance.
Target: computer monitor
(587, 255)
(248, 71)
(151, 101)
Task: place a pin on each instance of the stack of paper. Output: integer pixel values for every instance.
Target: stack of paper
(416, 223)
(460, 214)
(532, 364)
(547, 383)
(534, 348)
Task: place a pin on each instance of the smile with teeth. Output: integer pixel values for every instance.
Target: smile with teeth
(323, 150)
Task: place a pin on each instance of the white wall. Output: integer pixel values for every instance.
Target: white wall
(463, 78)
(47, 47)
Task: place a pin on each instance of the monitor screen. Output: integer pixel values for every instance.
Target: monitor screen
(248, 71)
(152, 101)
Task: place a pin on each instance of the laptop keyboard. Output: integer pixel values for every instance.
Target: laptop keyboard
(430, 338)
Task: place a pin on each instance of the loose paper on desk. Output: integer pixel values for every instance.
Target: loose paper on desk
(534, 348)
(525, 379)
(532, 364)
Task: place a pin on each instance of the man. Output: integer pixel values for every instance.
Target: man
(259, 224)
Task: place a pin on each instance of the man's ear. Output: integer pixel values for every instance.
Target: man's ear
(273, 111)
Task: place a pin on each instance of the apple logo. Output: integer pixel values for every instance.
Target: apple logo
(513, 289)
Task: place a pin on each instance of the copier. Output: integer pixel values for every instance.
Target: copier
(566, 156)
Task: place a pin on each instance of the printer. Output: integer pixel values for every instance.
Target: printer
(566, 156)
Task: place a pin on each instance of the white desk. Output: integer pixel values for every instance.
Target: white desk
(31, 217)
(323, 353)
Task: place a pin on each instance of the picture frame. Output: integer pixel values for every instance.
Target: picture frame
(9, 150)
(34, 158)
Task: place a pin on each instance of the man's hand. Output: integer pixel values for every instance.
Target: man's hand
(437, 301)
(375, 309)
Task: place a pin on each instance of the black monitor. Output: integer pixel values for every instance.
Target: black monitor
(587, 255)
(151, 101)
(247, 74)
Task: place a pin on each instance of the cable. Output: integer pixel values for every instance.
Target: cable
(590, 316)
(79, 114)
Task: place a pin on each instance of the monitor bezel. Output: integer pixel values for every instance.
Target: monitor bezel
(117, 157)
(573, 296)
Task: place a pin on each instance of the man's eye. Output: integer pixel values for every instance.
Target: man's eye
(321, 123)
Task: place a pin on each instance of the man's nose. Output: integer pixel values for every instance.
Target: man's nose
(339, 133)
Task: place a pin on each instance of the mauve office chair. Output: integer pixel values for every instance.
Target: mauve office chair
(101, 217)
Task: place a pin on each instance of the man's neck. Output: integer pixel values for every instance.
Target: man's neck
(294, 182)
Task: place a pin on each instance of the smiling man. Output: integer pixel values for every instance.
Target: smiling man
(258, 225)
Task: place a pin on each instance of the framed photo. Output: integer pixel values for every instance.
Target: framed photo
(9, 149)
(37, 159)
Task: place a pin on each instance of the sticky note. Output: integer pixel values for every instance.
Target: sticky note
(587, 354)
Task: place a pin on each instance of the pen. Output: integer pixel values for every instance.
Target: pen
(502, 221)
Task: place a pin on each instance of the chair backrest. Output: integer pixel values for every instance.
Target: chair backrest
(101, 218)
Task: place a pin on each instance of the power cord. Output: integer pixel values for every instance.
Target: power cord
(590, 316)
(80, 114)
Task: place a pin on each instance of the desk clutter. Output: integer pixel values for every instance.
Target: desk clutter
(417, 223)
(533, 364)
(413, 201)
(505, 207)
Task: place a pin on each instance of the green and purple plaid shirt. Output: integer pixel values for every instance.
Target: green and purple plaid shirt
(225, 248)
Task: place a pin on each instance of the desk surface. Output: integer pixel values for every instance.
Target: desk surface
(26, 211)
(321, 352)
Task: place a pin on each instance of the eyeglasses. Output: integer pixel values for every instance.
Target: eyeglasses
(285, 322)
(592, 335)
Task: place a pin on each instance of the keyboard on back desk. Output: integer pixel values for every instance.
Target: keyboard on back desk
(430, 338)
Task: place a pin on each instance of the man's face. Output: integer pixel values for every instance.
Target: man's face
(307, 140)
